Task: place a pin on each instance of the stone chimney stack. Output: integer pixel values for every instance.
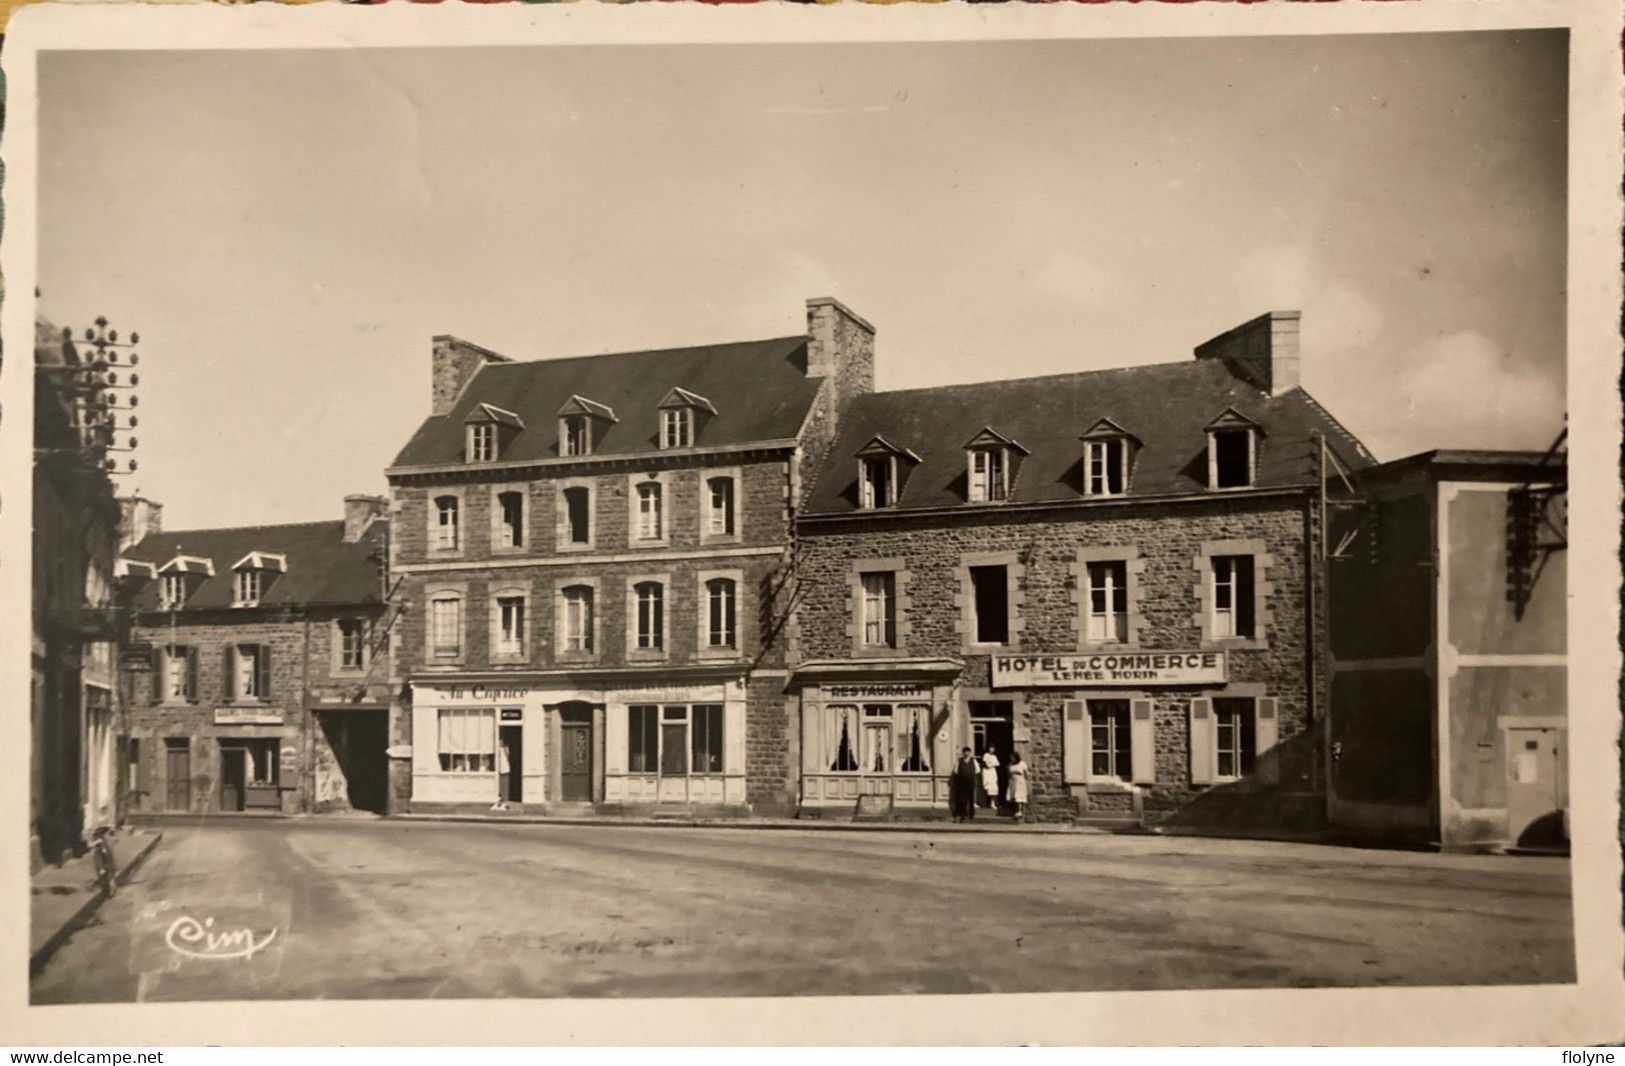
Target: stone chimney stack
(359, 511)
(455, 361)
(1263, 352)
(137, 517)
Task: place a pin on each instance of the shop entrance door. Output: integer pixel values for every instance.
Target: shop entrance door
(992, 726)
(233, 777)
(575, 753)
(177, 774)
(1535, 789)
(510, 764)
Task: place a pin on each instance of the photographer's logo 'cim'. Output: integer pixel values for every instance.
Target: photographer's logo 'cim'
(200, 940)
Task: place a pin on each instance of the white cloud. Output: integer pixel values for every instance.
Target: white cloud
(1464, 390)
(1339, 319)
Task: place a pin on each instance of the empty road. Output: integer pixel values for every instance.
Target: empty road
(350, 908)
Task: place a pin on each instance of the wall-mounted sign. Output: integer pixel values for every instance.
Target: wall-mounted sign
(399, 751)
(1115, 668)
(474, 693)
(246, 716)
(512, 714)
(876, 691)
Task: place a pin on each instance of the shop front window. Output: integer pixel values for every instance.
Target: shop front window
(878, 738)
(674, 740)
(468, 741)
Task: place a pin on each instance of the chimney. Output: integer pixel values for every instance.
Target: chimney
(137, 517)
(359, 511)
(1263, 352)
(455, 361)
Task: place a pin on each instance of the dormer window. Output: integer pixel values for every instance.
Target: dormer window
(581, 423)
(172, 591)
(681, 417)
(179, 578)
(252, 574)
(882, 467)
(990, 460)
(1108, 456)
(490, 429)
(1232, 451)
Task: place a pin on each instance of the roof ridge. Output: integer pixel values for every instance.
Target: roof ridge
(161, 533)
(512, 363)
(1042, 377)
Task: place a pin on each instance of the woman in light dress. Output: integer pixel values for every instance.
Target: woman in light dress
(1018, 785)
(990, 777)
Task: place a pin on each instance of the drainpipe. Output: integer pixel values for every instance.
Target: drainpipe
(308, 719)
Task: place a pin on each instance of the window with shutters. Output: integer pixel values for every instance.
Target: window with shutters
(1110, 740)
(248, 672)
(1235, 738)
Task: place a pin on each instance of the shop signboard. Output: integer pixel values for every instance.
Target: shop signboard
(1136, 668)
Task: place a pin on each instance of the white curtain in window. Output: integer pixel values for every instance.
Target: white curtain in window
(841, 738)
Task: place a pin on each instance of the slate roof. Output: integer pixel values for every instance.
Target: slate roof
(1165, 406)
(322, 569)
(760, 390)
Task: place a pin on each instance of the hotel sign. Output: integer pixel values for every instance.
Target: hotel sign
(1111, 668)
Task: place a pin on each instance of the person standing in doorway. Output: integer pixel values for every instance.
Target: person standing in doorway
(962, 787)
(990, 777)
(1018, 785)
(504, 774)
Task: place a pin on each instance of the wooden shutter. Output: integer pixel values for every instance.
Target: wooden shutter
(1075, 741)
(157, 673)
(262, 668)
(1246, 598)
(1266, 732)
(1143, 742)
(191, 675)
(811, 738)
(1202, 742)
(228, 673)
(733, 737)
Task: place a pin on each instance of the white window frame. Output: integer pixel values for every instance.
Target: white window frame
(363, 651)
(704, 629)
(248, 674)
(710, 514)
(472, 730)
(177, 667)
(575, 435)
(676, 427)
(722, 613)
(867, 496)
(642, 520)
(1115, 774)
(1097, 464)
(990, 483)
(877, 620)
(444, 617)
(172, 591)
(510, 631)
(651, 641)
(482, 442)
(1241, 754)
(1112, 626)
(1223, 621)
(501, 531)
(673, 714)
(246, 587)
(577, 626)
(446, 537)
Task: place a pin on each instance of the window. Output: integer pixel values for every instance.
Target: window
(914, 727)
(989, 478)
(877, 748)
(246, 588)
(843, 729)
(1106, 467)
(990, 593)
(720, 512)
(879, 609)
(177, 674)
(578, 620)
(1110, 740)
(720, 613)
(171, 591)
(876, 481)
(446, 627)
(651, 615)
(1107, 602)
(482, 442)
(445, 537)
(248, 672)
(578, 515)
(878, 738)
(1235, 736)
(468, 741)
(352, 643)
(510, 519)
(1232, 610)
(676, 427)
(650, 525)
(1231, 455)
(575, 435)
(674, 740)
(510, 625)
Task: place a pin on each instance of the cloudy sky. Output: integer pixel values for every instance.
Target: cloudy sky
(288, 230)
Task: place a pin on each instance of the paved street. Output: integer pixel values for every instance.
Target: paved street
(360, 909)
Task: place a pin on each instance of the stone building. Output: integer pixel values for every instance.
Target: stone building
(1449, 719)
(593, 556)
(257, 673)
(75, 632)
(1112, 572)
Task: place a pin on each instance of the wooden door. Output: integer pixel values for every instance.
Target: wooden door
(177, 775)
(1535, 793)
(575, 762)
(233, 777)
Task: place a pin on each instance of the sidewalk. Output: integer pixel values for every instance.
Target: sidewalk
(989, 825)
(62, 898)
